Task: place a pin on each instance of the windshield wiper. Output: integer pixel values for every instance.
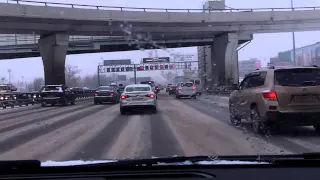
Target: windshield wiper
(183, 160)
(19, 164)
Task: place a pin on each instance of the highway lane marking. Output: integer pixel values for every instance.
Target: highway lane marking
(131, 140)
(104, 140)
(37, 117)
(14, 138)
(203, 130)
(63, 142)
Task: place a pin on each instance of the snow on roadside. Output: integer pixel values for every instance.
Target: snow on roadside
(72, 163)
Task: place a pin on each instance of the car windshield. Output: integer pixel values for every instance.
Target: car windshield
(298, 77)
(132, 89)
(94, 80)
(105, 88)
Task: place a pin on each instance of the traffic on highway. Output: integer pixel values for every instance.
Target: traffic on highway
(126, 92)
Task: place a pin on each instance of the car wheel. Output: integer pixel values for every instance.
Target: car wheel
(258, 125)
(154, 110)
(194, 97)
(317, 128)
(65, 102)
(177, 97)
(122, 111)
(233, 118)
(95, 102)
(43, 105)
(73, 102)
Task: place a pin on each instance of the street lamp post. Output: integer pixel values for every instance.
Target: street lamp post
(293, 42)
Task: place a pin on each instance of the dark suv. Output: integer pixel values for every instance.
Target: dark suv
(57, 94)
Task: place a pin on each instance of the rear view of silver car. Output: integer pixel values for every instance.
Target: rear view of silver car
(138, 96)
(186, 90)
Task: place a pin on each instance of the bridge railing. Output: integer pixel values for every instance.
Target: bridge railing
(21, 39)
(55, 4)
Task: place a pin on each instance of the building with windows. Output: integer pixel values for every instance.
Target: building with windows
(305, 56)
(248, 66)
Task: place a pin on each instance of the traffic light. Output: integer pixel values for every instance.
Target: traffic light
(141, 68)
(171, 66)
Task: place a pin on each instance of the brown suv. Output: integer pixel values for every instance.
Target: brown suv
(289, 95)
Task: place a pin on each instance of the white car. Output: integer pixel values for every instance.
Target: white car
(138, 96)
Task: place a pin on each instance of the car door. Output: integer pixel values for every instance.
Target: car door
(240, 100)
(253, 81)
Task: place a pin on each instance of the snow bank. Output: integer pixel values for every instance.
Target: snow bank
(71, 163)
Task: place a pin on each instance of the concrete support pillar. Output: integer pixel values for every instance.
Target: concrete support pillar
(224, 57)
(53, 49)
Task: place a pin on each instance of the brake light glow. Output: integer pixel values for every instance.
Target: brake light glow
(193, 88)
(179, 88)
(271, 95)
(95, 94)
(123, 96)
(112, 94)
(170, 89)
(150, 95)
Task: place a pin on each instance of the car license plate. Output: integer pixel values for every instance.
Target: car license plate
(137, 98)
(305, 99)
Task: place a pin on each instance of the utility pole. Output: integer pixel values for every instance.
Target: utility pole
(293, 41)
(9, 71)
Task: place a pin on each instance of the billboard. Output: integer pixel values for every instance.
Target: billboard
(156, 60)
(117, 62)
(122, 78)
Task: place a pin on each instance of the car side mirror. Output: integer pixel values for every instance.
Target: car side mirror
(235, 87)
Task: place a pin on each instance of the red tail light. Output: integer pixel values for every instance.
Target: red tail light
(124, 96)
(170, 89)
(112, 94)
(150, 95)
(270, 95)
(95, 94)
(179, 88)
(194, 88)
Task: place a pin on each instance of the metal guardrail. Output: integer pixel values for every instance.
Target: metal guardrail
(22, 39)
(27, 2)
(20, 99)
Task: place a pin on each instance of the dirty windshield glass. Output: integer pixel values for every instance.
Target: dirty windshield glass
(143, 79)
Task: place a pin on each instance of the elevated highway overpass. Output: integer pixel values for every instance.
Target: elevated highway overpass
(223, 29)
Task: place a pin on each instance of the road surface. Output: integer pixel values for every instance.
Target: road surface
(181, 127)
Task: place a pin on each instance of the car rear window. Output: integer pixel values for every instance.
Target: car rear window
(131, 89)
(297, 77)
(104, 88)
(188, 84)
(4, 88)
(52, 88)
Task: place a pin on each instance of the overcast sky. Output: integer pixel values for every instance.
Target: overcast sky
(263, 46)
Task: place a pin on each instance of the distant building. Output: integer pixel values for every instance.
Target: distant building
(276, 61)
(305, 56)
(248, 66)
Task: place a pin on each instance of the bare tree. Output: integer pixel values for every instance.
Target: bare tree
(72, 75)
(37, 83)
